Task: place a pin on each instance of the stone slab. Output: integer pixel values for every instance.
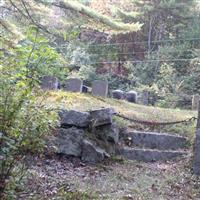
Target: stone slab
(74, 118)
(147, 155)
(69, 141)
(153, 140)
(49, 83)
(101, 117)
(73, 85)
(100, 88)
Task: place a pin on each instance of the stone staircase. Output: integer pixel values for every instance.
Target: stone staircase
(151, 147)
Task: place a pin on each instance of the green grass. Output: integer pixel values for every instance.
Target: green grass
(86, 102)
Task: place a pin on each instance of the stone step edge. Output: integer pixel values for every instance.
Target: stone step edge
(152, 150)
(156, 133)
(149, 155)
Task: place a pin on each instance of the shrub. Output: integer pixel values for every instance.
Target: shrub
(24, 119)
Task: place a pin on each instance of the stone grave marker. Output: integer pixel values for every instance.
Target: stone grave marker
(131, 96)
(100, 88)
(145, 98)
(74, 85)
(49, 83)
(118, 94)
(195, 102)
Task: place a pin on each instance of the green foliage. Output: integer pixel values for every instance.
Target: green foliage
(76, 195)
(24, 119)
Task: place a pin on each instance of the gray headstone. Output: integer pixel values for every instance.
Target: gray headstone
(195, 102)
(118, 94)
(49, 83)
(100, 88)
(145, 98)
(131, 96)
(74, 85)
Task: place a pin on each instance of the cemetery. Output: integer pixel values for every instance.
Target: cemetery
(100, 100)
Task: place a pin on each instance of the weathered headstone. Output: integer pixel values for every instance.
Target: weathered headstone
(49, 83)
(195, 102)
(118, 94)
(196, 163)
(131, 96)
(74, 85)
(100, 88)
(145, 98)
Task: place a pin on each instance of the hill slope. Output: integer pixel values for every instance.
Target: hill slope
(85, 102)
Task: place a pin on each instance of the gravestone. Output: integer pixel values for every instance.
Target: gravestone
(74, 85)
(196, 163)
(118, 94)
(195, 102)
(49, 83)
(131, 96)
(145, 98)
(100, 88)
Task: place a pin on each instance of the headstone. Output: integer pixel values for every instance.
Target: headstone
(195, 102)
(100, 88)
(49, 83)
(145, 98)
(196, 163)
(74, 85)
(85, 89)
(131, 96)
(118, 94)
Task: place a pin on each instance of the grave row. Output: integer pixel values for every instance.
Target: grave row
(100, 88)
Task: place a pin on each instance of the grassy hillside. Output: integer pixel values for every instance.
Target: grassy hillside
(86, 102)
(116, 179)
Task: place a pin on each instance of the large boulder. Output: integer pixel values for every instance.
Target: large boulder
(101, 116)
(69, 141)
(74, 118)
(108, 133)
(91, 153)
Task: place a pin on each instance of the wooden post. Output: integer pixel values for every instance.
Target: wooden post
(198, 120)
(196, 163)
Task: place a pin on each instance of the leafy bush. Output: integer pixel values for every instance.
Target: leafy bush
(24, 119)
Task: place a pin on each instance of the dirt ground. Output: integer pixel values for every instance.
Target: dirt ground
(58, 177)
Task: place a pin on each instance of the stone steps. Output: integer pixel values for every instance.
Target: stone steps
(149, 155)
(151, 140)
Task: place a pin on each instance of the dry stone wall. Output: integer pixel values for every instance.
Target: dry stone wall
(91, 136)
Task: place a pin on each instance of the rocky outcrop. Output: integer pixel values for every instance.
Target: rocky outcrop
(90, 136)
(91, 153)
(69, 141)
(74, 118)
(101, 117)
